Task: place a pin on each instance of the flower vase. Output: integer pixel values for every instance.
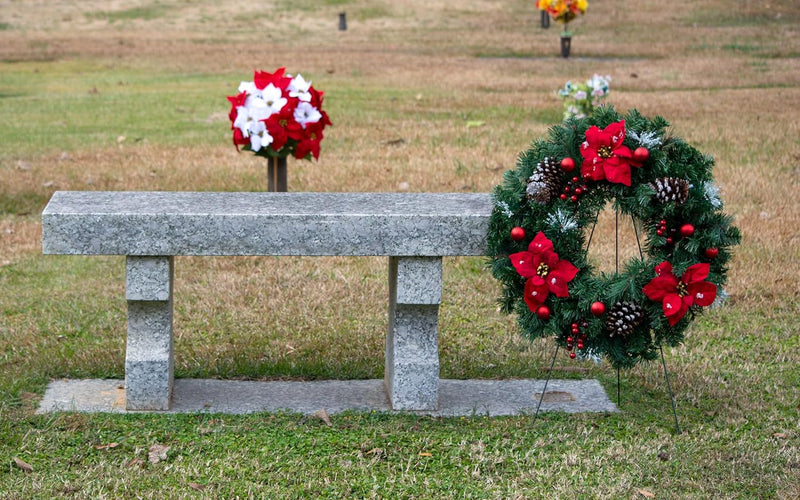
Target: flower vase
(545, 19)
(276, 174)
(566, 43)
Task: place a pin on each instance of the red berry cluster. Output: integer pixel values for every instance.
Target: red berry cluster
(673, 234)
(574, 189)
(670, 233)
(576, 339)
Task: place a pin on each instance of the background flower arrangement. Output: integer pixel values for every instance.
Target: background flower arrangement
(580, 99)
(277, 115)
(563, 11)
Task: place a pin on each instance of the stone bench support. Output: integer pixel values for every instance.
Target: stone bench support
(149, 359)
(412, 348)
(415, 230)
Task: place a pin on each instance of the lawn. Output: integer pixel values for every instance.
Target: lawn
(425, 96)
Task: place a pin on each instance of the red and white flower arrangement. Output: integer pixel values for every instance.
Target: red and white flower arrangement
(276, 115)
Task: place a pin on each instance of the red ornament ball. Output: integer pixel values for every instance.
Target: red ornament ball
(687, 230)
(712, 252)
(572, 355)
(543, 312)
(567, 164)
(517, 234)
(641, 154)
(597, 308)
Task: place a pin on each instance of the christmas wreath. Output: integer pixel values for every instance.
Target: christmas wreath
(546, 209)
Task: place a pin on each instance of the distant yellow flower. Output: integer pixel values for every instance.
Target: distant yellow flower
(563, 11)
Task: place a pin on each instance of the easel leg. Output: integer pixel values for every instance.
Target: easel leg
(544, 389)
(669, 388)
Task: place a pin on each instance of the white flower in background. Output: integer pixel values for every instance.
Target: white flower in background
(273, 99)
(259, 137)
(299, 88)
(580, 99)
(306, 113)
(598, 82)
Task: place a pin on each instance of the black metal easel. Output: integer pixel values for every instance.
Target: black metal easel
(660, 348)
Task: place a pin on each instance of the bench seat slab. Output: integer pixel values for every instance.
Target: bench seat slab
(189, 223)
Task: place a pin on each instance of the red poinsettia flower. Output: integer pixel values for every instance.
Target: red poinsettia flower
(604, 156)
(544, 271)
(261, 79)
(310, 142)
(678, 294)
(239, 139)
(282, 126)
(236, 101)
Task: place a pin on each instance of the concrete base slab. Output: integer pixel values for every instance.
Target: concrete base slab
(456, 397)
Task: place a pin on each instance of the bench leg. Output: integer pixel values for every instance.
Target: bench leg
(412, 350)
(149, 355)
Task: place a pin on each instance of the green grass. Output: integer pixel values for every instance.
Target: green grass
(77, 104)
(145, 13)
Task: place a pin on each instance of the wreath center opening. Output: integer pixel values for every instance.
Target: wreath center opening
(613, 241)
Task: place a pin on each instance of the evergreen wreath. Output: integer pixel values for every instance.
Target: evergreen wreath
(546, 208)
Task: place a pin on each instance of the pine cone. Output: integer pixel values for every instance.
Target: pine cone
(623, 318)
(669, 189)
(545, 183)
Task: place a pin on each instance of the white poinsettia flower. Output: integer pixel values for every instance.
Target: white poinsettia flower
(259, 137)
(249, 87)
(306, 113)
(243, 120)
(258, 108)
(299, 88)
(273, 98)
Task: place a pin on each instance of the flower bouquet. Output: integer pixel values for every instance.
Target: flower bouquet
(580, 99)
(277, 115)
(564, 11)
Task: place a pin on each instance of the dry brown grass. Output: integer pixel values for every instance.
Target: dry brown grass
(729, 88)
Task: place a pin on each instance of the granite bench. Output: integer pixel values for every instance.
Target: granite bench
(415, 230)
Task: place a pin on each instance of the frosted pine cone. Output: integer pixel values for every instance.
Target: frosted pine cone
(545, 183)
(671, 189)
